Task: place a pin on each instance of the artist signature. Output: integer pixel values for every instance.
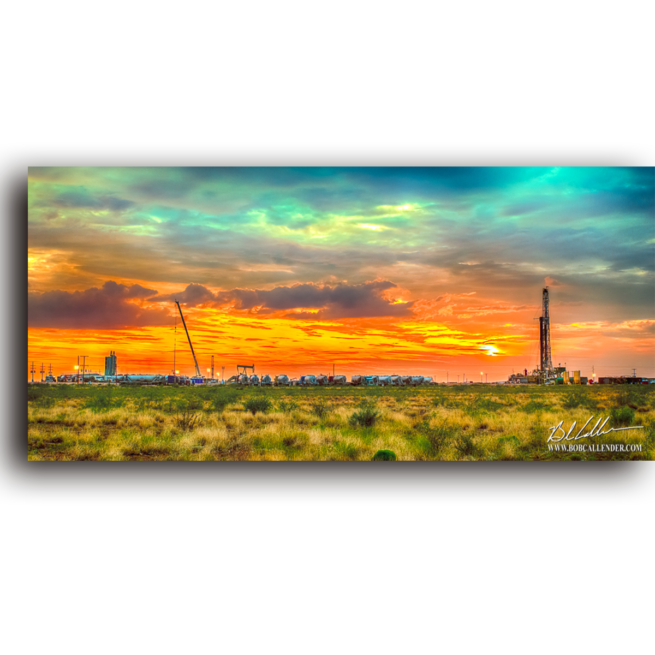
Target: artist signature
(596, 431)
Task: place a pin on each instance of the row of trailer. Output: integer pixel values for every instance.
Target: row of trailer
(331, 380)
(256, 380)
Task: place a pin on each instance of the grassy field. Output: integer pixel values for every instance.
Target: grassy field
(69, 422)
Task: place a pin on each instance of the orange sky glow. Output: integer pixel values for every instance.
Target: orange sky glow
(372, 271)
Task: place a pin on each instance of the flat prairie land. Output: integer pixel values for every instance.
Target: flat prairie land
(456, 423)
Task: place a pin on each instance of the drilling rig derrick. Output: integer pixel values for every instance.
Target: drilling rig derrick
(545, 364)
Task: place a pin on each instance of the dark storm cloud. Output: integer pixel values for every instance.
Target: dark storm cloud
(103, 308)
(338, 301)
(192, 296)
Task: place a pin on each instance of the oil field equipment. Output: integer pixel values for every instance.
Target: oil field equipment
(545, 364)
(198, 374)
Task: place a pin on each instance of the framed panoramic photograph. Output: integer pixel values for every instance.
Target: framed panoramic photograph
(341, 314)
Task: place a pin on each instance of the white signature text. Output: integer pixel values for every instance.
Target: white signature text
(596, 431)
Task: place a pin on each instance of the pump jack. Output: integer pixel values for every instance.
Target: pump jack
(189, 338)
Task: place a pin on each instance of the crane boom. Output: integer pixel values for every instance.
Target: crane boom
(189, 338)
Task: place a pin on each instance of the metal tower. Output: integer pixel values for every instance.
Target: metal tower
(546, 364)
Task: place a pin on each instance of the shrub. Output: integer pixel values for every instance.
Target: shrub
(287, 406)
(256, 404)
(321, 408)
(465, 446)
(384, 456)
(433, 438)
(622, 416)
(366, 416)
(185, 419)
(571, 401)
(223, 398)
(103, 400)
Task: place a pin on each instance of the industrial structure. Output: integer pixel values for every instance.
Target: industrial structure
(189, 338)
(110, 364)
(545, 373)
(546, 364)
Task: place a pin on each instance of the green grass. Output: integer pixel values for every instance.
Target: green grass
(70, 422)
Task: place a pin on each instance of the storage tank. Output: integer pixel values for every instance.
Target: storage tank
(282, 380)
(339, 379)
(143, 379)
(576, 377)
(321, 380)
(416, 380)
(371, 380)
(384, 380)
(427, 380)
(356, 380)
(266, 381)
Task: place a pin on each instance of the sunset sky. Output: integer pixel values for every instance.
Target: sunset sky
(374, 270)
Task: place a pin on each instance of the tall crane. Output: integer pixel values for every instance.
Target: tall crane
(189, 338)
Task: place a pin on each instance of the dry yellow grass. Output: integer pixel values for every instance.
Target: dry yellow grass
(437, 423)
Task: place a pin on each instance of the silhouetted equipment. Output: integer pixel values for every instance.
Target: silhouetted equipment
(242, 368)
(189, 338)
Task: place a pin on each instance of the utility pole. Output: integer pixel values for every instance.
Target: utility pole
(212, 367)
(42, 372)
(32, 371)
(634, 372)
(83, 365)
